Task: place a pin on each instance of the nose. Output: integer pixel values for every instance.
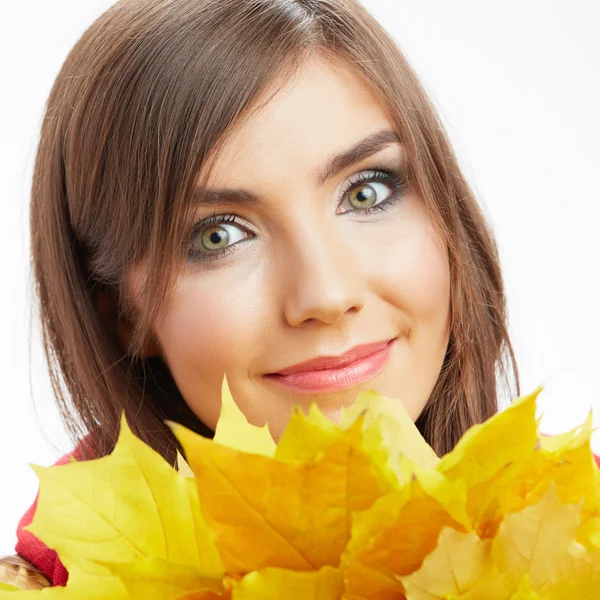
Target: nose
(323, 279)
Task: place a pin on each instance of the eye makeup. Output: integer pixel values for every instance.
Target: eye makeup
(225, 227)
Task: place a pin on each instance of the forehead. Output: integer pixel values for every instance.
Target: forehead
(323, 109)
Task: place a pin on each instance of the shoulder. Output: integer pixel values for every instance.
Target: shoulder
(17, 572)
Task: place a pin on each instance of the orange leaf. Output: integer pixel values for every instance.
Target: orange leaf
(267, 513)
(390, 539)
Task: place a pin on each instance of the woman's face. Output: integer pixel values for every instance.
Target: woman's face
(308, 256)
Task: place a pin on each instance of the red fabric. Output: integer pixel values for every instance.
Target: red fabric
(34, 550)
(45, 559)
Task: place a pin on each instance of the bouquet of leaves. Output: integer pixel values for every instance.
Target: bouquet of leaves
(356, 510)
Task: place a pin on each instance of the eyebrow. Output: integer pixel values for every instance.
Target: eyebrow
(364, 148)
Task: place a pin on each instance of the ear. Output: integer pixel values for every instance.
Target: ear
(120, 326)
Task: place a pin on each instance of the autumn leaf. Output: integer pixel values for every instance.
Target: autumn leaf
(450, 494)
(489, 456)
(570, 466)
(183, 468)
(207, 595)
(159, 579)
(535, 541)
(483, 450)
(392, 539)
(589, 530)
(390, 433)
(211, 595)
(134, 505)
(460, 563)
(569, 463)
(568, 590)
(268, 513)
(306, 437)
(521, 483)
(234, 431)
(524, 590)
(271, 584)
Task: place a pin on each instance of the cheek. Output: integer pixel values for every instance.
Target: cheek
(411, 270)
(425, 283)
(207, 330)
(412, 277)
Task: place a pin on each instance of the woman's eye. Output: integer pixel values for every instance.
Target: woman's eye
(214, 238)
(366, 193)
(371, 191)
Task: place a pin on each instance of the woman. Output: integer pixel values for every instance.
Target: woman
(259, 188)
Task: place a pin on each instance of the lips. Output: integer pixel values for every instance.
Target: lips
(332, 373)
(322, 363)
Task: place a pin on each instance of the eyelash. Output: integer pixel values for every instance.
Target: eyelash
(398, 183)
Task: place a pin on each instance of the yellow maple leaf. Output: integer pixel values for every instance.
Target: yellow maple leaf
(461, 567)
(268, 513)
(306, 437)
(392, 539)
(488, 457)
(233, 429)
(459, 562)
(271, 584)
(393, 443)
(183, 468)
(450, 494)
(159, 579)
(568, 463)
(210, 594)
(571, 590)
(589, 530)
(483, 450)
(536, 541)
(389, 433)
(524, 590)
(134, 505)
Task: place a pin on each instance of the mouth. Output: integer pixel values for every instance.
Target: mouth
(333, 373)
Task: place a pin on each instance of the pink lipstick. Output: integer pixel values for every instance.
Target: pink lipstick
(333, 373)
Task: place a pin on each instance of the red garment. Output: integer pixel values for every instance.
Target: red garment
(45, 559)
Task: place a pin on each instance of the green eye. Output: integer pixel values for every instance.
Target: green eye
(214, 238)
(364, 196)
(371, 190)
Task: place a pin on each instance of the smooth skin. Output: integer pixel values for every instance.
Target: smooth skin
(307, 272)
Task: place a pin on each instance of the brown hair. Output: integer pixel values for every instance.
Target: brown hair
(140, 105)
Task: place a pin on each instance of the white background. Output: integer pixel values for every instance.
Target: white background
(517, 84)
